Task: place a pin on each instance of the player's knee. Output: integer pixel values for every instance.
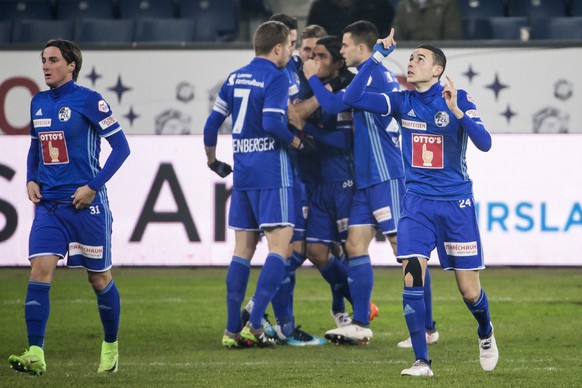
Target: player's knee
(99, 280)
(413, 273)
(354, 248)
(471, 295)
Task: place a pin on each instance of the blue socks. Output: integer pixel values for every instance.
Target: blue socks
(480, 311)
(109, 311)
(361, 281)
(414, 313)
(336, 274)
(36, 312)
(237, 278)
(270, 278)
(428, 321)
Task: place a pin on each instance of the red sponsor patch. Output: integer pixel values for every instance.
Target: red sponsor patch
(427, 151)
(54, 147)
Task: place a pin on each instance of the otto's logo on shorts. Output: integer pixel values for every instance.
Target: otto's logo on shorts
(103, 107)
(90, 252)
(461, 248)
(65, 114)
(441, 119)
(54, 147)
(383, 214)
(427, 151)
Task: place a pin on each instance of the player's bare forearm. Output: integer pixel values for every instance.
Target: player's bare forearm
(210, 154)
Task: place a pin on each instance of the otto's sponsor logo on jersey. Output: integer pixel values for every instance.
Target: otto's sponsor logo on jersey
(427, 151)
(65, 114)
(382, 214)
(441, 119)
(54, 147)
(461, 248)
(253, 145)
(103, 107)
(414, 125)
(107, 122)
(39, 123)
(90, 252)
(472, 113)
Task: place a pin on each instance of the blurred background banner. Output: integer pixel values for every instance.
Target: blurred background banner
(170, 209)
(517, 89)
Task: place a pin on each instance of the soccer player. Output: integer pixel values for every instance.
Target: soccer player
(67, 186)
(331, 197)
(262, 197)
(438, 210)
(379, 179)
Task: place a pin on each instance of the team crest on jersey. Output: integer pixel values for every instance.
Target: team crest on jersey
(441, 119)
(103, 107)
(65, 114)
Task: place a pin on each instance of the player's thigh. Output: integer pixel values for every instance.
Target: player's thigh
(469, 284)
(245, 243)
(459, 241)
(416, 228)
(359, 238)
(278, 239)
(384, 199)
(90, 236)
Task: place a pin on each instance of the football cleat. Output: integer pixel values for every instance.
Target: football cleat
(341, 319)
(257, 337)
(234, 341)
(352, 334)
(431, 338)
(31, 361)
(109, 358)
(301, 338)
(373, 311)
(488, 352)
(420, 368)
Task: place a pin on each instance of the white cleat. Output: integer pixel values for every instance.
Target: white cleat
(351, 334)
(488, 352)
(341, 319)
(420, 368)
(431, 338)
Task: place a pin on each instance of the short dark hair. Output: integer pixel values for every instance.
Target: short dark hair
(268, 35)
(363, 31)
(287, 20)
(333, 44)
(438, 56)
(70, 52)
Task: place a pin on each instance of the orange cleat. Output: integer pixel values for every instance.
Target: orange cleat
(373, 311)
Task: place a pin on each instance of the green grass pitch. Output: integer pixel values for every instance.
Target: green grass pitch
(173, 319)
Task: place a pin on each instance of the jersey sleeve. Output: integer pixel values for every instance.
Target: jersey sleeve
(471, 121)
(99, 113)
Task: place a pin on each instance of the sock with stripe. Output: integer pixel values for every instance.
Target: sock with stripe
(109, 310)
(414, 313)
(480, 311)
(271, 276)
(237, 278)
(429, 323)
(36, 311)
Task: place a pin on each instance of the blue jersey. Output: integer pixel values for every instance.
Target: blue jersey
(69, 122)
(336, 163)
(377, 156)
(433, 142)
(260, 161)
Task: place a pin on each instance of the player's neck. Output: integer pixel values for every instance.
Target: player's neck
(423, 86)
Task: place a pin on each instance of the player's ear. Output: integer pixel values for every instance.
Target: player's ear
(437, 71)
(72, 66)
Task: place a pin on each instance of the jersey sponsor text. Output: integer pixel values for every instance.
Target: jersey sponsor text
(414, 125)
(91, 252)
(461, 248)
(427, 151)
(107, 122)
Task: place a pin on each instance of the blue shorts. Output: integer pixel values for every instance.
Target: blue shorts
(329, 211)
(301, 209)
(378, 206)
(253, 210)
(450, 226)
(85, 235)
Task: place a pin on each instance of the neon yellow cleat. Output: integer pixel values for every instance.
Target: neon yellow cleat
(109, 358)
(31, 361)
